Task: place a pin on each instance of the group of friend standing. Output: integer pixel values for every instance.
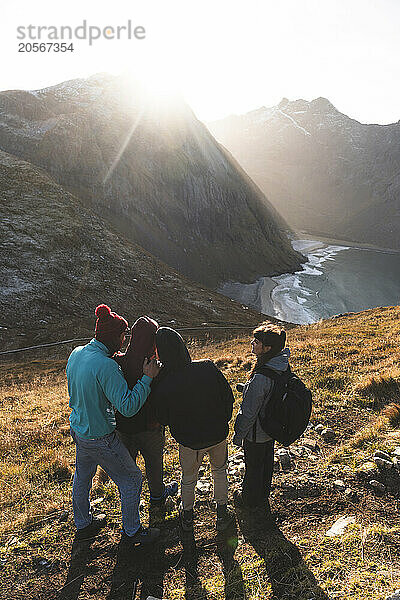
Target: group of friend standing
(121, 403)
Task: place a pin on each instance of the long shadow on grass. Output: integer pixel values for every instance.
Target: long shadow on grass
(227, 543)
(289, 575)
(143, 568)
(81, 555)
(193, 587)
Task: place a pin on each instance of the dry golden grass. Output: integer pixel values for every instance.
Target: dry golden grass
(380, 388)
(351, 365)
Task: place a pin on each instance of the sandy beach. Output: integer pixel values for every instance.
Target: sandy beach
(336, 278)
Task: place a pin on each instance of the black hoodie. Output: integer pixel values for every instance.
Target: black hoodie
(192, 397)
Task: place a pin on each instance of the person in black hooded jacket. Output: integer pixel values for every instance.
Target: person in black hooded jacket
(195, 400)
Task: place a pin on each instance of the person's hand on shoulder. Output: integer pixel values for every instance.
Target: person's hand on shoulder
(151, 367)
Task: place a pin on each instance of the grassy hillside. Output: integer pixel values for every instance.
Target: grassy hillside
(351, 364)
(58, 260)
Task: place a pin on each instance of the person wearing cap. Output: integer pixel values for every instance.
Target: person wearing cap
(268, 345)
(96, 387)
(142, 433)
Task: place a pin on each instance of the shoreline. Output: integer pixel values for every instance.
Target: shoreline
(330, 241)
(284, 297)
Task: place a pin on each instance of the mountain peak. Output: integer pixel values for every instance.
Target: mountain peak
(284, 102)
(322, 104)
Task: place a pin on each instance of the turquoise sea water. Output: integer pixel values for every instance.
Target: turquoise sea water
(336, 279)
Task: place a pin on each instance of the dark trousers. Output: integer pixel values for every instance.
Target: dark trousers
(150, 444)
(259, 462)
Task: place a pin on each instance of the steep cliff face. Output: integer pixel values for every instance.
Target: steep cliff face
(58, 260)
(152, 170)
(326, 173)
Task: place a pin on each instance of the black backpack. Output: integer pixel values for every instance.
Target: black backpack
(288, 410)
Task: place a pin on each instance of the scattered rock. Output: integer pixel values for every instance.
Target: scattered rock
(377, 486)
(203, 487)
(63, 517)
(96, 501)
(237, 469)
(64, 430)
(142, 506)
(307, 451)
(289, 491)
(382, 454)
(312, 444)
(319, 428)
(328, 434)
(307, 488)
(236, 466)
(202, 471)
(383, 464)
(395, 596)
(277, 464)
(396, 462)
(284, 458)
(366, 470)
(340, 526)
(296, 451)
(339, 485)
(201, 502)
(351, 495)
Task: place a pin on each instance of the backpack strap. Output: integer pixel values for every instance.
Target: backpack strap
(268, 372)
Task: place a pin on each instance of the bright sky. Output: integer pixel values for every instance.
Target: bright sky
(226, 56)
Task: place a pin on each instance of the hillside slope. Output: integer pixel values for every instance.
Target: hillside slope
(154, 171)
(324, 172)
(58, 260)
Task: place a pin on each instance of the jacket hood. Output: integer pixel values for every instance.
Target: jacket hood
(143, 334)
(280, 362)
(142, 344)
(171, 349)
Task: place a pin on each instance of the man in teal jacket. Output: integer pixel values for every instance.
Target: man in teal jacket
(96, 386)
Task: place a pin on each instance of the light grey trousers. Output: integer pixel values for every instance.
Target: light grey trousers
(191, 460)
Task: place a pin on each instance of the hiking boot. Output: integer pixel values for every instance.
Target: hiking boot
(261, 511)
(186, 519)
(170, 490)
(91, 530)
(225, 517)
(143, 537)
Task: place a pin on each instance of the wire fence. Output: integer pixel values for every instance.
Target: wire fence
(86, 339)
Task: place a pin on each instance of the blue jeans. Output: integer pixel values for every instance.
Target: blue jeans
(111, 454)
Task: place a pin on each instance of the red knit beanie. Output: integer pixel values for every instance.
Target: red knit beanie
(108, 324)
